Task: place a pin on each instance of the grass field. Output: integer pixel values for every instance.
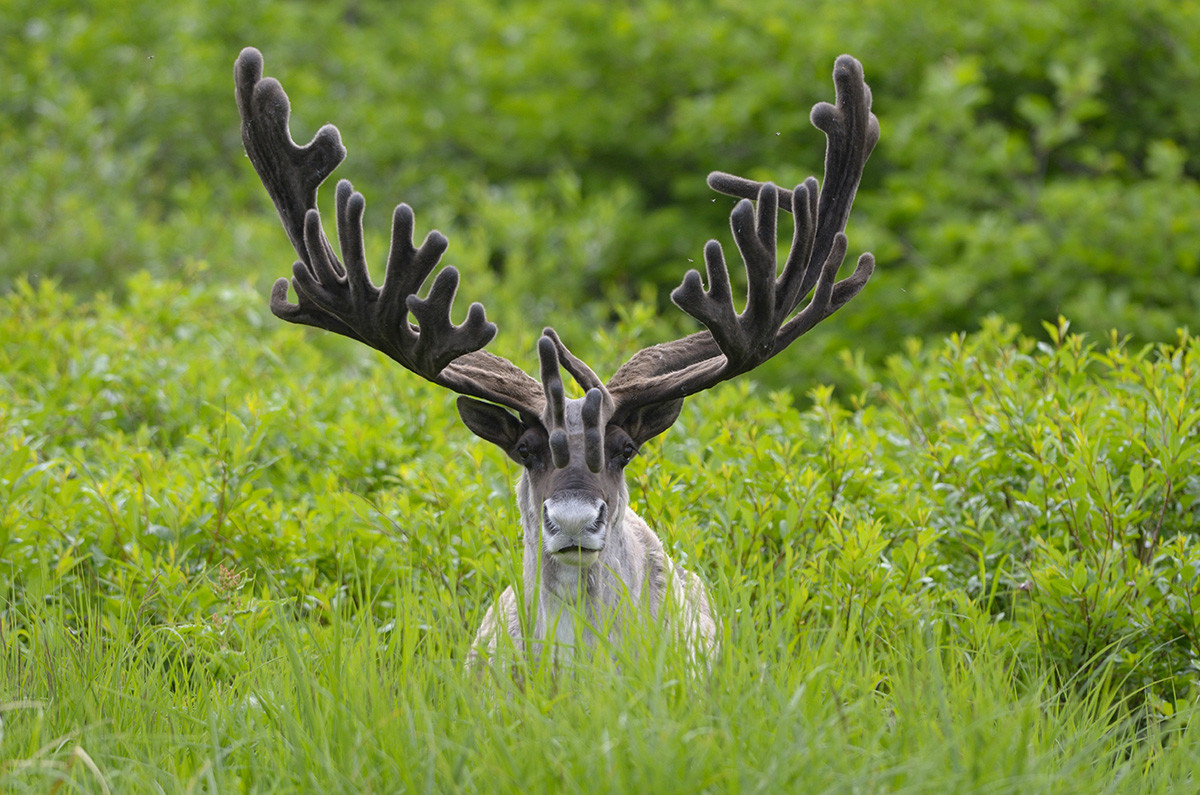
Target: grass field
(338, 708)
(348, 706)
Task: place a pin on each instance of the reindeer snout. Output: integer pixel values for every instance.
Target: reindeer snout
(574, 522)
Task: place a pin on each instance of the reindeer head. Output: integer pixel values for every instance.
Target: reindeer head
(574, 452)
(574, 455)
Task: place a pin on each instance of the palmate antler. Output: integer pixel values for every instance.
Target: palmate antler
(341, 298)
(737, 343)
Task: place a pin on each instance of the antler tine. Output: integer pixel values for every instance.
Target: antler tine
(804, 215)
(555, 419)
(583, 375)
(290, 173)
(552, 353)
(593, 436)
(739, 337)
(340, 297)
(742, 188)
(851, 134)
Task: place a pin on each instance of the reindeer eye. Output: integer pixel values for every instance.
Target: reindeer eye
(529, 451)
(629, 452)
(620, 451)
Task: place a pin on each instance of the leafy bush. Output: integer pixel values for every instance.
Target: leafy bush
(1046, 488)
(1059, 479)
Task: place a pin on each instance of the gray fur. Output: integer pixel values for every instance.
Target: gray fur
(630, 579)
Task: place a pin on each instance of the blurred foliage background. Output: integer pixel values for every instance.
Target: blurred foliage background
(1036, 159)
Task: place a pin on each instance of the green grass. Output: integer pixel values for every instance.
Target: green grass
(345, 706)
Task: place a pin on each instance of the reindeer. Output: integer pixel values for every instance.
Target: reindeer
(591, 565)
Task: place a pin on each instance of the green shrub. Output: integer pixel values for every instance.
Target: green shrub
(1044, 489)
(1060, 479)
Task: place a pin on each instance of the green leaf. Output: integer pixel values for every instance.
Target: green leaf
(1137, 478)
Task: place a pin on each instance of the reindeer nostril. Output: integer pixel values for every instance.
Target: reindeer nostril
(547, 522)
(597, 525)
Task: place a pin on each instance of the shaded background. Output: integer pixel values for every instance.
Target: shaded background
(1036, 158)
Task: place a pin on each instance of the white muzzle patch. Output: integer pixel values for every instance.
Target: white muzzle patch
(574, 527)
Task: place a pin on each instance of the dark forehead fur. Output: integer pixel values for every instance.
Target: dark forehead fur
(575, 476)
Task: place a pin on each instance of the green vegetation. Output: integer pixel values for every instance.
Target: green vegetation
(235, 554)
(1037, 159)
(235, 551)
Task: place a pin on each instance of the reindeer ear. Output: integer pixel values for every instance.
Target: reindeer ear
(490, 422)
(646, 422)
